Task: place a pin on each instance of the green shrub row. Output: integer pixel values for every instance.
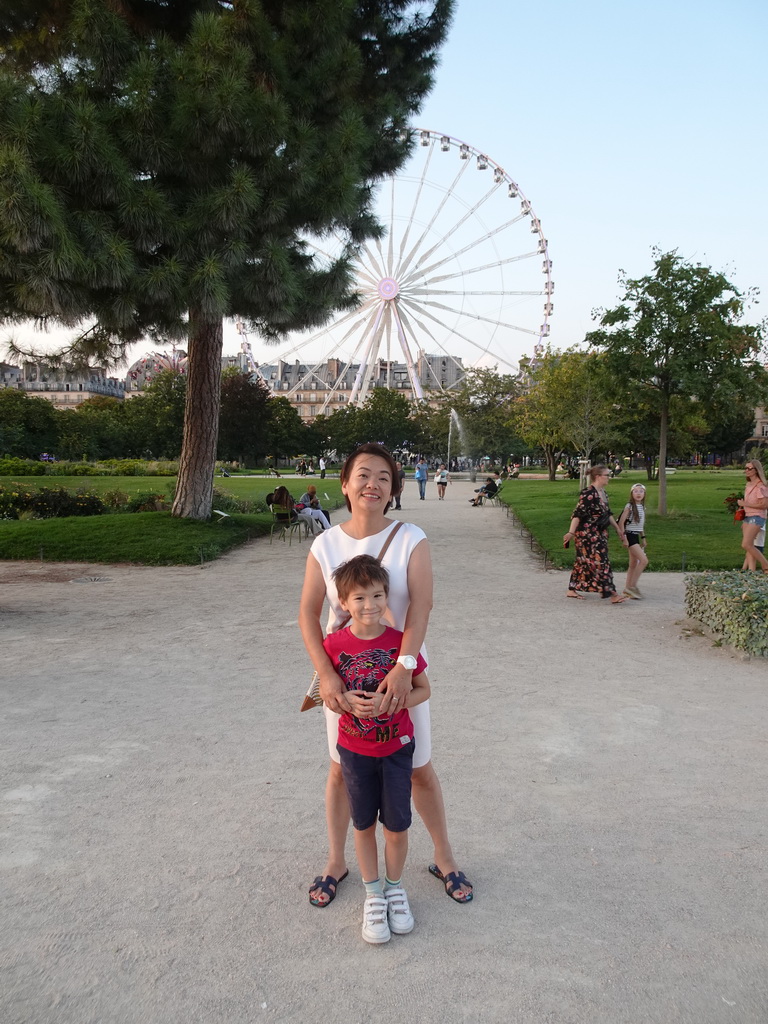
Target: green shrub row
(108, 467)
(20, 502)
(733, 605)
(48, 503)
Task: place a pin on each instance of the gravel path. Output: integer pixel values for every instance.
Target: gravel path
(604, 771)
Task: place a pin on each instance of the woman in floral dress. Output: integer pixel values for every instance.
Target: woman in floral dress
(589, 530)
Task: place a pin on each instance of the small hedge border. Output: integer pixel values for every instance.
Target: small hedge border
(107, 467)
(734, 605)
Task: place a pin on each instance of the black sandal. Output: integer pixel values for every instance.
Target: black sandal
(324, 884)
(453, 882)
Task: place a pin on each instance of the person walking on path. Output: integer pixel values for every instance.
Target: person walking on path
(421, 474)
(368, 481)
(755, 505)
(401, 478)
(589, 530)
(321, 464)
(442, 479)
(632, 522)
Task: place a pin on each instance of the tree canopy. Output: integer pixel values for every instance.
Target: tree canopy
(678, 332)
(162, 165)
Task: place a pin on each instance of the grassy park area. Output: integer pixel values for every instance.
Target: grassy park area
(697, 533)
(146, 538)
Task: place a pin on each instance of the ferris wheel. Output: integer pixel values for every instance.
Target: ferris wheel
(461, 278)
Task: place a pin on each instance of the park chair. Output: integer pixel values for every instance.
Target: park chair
(282, 522)
(496, 498)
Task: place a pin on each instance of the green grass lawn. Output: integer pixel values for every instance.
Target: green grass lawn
(143, 538)
(698, 528)
(251, 488)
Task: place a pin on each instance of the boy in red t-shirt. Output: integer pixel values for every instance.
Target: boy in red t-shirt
(376, 751)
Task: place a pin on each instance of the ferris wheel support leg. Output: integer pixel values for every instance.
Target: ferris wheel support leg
(367, 358)
(417, 388)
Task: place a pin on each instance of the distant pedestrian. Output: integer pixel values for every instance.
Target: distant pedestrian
(401, 478)
(589, 530)
(632, 522)
(321, 464)
(442, 479)
(422, 474)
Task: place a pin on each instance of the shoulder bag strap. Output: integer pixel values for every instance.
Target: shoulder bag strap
(388, 541)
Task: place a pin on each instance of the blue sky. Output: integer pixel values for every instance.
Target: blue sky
(626, 125)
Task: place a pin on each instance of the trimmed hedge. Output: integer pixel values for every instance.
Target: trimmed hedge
(734, 605)
(107, 467)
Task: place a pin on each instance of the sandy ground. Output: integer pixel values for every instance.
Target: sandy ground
(162, 817)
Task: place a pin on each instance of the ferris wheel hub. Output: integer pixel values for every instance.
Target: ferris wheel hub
(388, 288)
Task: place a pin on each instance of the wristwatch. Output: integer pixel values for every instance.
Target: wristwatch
(407, 661)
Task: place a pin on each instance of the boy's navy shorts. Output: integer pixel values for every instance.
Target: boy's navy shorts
(379, 785)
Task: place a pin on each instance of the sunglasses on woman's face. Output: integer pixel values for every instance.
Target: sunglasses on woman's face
(749, 467)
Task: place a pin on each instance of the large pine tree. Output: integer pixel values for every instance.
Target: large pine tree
(162, 162)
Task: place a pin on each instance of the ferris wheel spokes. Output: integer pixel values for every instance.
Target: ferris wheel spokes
(441, 281)
(480, 240)
(441, 206)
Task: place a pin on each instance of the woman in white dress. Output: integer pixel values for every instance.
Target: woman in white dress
(369, 481)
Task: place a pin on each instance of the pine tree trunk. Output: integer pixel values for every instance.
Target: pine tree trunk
(663, 427)
(197, 465)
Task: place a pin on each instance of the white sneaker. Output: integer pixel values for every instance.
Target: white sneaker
(398, 911)
(375, 927)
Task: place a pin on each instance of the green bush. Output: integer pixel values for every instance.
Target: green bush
(70, 469)
(51, 502)
(734, 605)
(14, 501)
(115, 499)
(137, 467)
(21, 467)
(226, 502)
(148, 501)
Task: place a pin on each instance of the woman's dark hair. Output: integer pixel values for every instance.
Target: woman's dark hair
(371, 448)
(282, 497)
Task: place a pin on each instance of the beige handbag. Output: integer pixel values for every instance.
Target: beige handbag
(312, 698)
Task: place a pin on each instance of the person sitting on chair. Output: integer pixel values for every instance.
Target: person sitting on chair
(283, 506)
(486, 491)
(310, 499)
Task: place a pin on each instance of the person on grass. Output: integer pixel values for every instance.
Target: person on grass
(589, 530)
(369, 483)
(632, 522)
(375, 749)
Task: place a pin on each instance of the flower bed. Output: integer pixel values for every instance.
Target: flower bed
(733, 605)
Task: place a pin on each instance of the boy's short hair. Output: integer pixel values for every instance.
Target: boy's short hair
(360, 571)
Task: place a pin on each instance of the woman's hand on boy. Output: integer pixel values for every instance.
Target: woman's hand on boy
(333, 694)
(394, 688)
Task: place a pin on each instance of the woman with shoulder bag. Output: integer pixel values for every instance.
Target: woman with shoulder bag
(369, 482)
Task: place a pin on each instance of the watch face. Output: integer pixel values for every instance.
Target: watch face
(407, 661)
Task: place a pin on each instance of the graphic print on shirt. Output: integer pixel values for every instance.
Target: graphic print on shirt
(364, 672)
